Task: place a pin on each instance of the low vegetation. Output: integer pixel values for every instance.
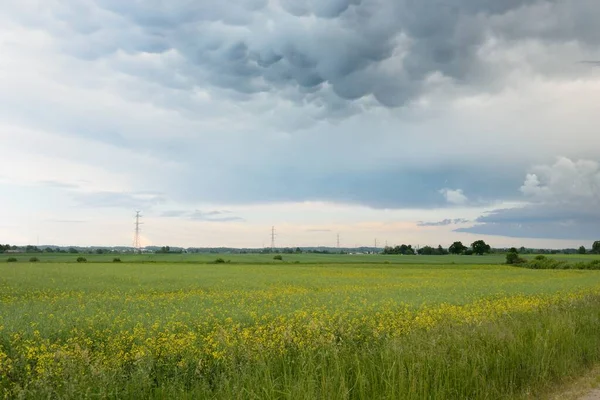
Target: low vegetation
(543, 262)
(286, 331)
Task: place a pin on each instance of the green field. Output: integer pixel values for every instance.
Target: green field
(312, 330)
(290, 258)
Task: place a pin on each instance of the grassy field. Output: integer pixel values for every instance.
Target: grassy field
(337, 331)
(289, 258)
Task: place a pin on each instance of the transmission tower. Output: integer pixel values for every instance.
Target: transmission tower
(272, 238)
(338, 240)
(375, 242)
(137, 244)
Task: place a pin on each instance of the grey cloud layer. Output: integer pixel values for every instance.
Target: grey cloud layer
(206, 216)
(444, 222)
(563, 204)
(261, 101)
(325, 53)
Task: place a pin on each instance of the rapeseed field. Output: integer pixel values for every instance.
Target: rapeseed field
(292, 331)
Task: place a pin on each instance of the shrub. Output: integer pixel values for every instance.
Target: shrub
(513, 258)
(278, 257)
(81, 259)
(547, 263)
(116, 260)
(34, 259)
(219, 261)
(468, 252)
(11, 259)
(540, 258)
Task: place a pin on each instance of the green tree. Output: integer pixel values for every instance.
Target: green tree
(457, 248)
(581, 250)
(512, 257)
(596, 247)
(426, 250)
(480, 247)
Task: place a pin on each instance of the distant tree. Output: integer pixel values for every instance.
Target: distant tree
(596, 247)
(73, 250)
(426, 251)
(99, 251)
(278, 257)
(581, 250)
(457, 248)
(298, 250)
(48, 250)
(512, 257)
(11, 260)
(513, 250)
(480, 247)
(31, 249)
(440, 251)
(407, 249)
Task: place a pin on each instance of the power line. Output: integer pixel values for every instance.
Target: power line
(137, 244)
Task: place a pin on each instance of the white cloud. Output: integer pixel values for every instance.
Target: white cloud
(454, 196)
(565, 181)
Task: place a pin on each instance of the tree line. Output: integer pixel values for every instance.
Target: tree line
(477, 247)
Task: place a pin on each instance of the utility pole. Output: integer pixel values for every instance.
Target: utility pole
(137, 244)
(272, 238)
(338, 240)
(375, 242)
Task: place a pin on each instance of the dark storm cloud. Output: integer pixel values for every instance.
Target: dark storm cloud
(352, 48)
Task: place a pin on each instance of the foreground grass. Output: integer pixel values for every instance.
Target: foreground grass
(177, 331)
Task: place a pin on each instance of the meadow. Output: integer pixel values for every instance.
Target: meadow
(335, 331)
(303, 258)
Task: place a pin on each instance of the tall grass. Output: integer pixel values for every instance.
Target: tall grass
(513, 357)
(293, 332)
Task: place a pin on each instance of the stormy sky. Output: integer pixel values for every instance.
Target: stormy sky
(409, 121)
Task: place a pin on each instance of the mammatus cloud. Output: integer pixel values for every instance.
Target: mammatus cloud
(444, 222)
(207, 216)
(562, 201)
(454, 196)
(323, 53)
